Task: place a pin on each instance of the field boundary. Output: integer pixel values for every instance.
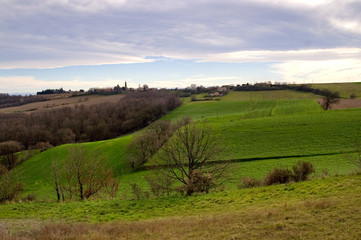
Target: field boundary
(151, 167)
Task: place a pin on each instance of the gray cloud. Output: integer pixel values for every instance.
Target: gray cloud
(79, 32)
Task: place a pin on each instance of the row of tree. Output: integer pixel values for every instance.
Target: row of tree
(87, 123)
(7, 100)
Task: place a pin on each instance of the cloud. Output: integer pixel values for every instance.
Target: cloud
(301, 40)
(282, 56)
(28, 84)
(345, 70)
(53, 33)
(206, 81)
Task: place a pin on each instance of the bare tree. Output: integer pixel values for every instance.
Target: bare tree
(147, 143)
(80, 175)
(56, 177)
(188, 156)
(10, 187)
(330, 98)
(8, 153)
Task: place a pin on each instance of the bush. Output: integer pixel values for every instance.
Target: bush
(9, 187)
(160, 185)
(248, 182)
(138, 192)
(277, 176)
(302, 170)
(30, 197)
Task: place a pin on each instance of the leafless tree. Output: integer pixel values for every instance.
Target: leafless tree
(81, 175)
(56, 177)
(330, 98)
(148, 142)
(187, 158)
(8, 153)
(10, 186)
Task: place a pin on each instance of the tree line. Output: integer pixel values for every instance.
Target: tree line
(7, 100)
(87, 123)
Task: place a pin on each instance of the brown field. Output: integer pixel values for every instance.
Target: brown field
(61, 100)
(347, 103)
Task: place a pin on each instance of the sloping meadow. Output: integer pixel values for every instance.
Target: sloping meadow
(259, 135)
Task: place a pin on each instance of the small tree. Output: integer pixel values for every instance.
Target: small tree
(147, 143)
(187, 156)
(56, 177)
(10, 187)
(8, 153)
(80, 175)
(141, 149)
(329, 99)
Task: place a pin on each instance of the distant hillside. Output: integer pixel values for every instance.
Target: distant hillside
(345, 89)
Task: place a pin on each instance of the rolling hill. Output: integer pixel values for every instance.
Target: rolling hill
(275, 128)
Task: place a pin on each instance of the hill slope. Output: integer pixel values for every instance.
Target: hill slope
(317, 209)
(260, 135)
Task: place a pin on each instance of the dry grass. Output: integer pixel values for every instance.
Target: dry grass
(329, 218)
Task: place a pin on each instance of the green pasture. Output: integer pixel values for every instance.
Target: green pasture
(259, 134)
(345, 89)
(36, 172)
(268, 95)
(341, 188)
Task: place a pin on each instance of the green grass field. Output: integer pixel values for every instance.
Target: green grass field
(345, 89)
(261, 131)
(316, 209)
(259, 135)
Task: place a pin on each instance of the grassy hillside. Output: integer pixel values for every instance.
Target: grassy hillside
(318, 209)
(345, 89)
(36, 172)
(105, 210)
(262, 130)
(259, 134)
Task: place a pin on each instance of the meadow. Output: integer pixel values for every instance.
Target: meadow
(259, 135)
(261, 131)
(344, 89)
(329, 207)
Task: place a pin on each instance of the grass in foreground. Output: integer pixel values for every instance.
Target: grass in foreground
(327, 208)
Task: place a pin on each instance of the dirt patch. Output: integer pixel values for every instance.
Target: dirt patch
(344, 103)
(347, 103)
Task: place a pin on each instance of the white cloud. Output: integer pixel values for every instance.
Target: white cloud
(206, 81)
(343, 70)
(280, 56)
(28, 84)
(347, 25)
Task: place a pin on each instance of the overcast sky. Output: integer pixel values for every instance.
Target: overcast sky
(173, 43)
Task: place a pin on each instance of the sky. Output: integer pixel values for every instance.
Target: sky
(80, 44)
